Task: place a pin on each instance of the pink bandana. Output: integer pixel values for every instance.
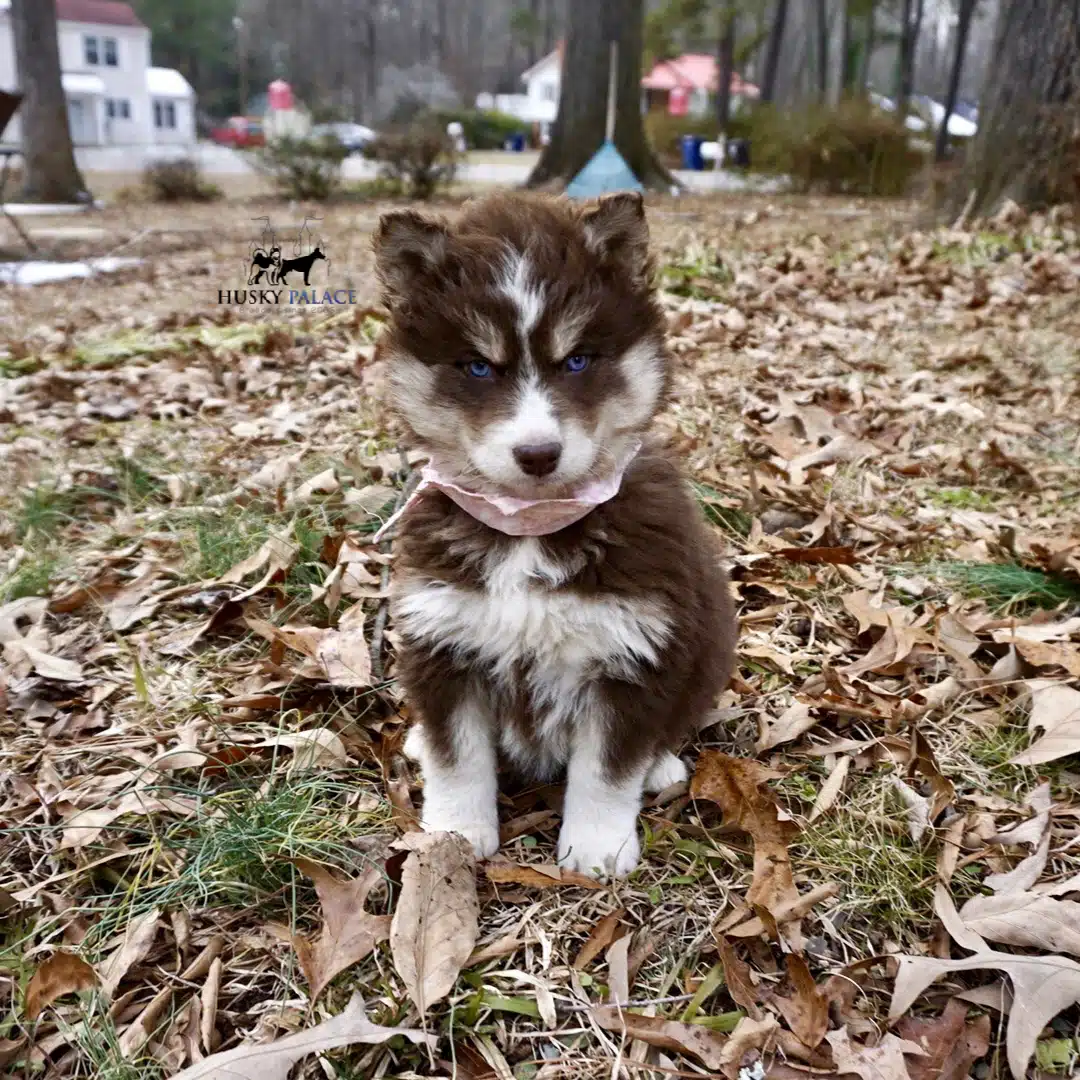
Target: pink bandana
(521, 517)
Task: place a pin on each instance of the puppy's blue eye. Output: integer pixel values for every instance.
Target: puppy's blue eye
(576, 364)
(479, 369)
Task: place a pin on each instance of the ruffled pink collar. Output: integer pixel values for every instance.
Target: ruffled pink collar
(521, 517)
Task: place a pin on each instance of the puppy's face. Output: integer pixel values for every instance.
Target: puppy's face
(525, 347)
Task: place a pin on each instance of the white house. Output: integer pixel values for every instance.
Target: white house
(540, 102)
(114, 96)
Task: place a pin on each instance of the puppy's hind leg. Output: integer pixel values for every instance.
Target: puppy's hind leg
(460, 782)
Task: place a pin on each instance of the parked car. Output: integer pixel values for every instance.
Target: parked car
(239, 131)
(354, 137)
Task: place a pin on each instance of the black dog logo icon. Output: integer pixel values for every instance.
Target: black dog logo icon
(301, 265)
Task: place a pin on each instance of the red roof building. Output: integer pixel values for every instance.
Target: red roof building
(104, 12)
(689, 78)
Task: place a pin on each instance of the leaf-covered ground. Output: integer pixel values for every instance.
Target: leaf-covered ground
(207, 839)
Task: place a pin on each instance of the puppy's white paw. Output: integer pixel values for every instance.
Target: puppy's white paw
(483, 835)
(666, 770)
(599, 849)
(415, 745)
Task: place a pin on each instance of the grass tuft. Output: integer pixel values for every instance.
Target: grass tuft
(1008, 585)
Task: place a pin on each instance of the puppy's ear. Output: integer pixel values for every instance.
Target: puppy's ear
(616, 230)
(408, 246)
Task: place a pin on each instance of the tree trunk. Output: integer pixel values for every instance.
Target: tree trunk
(910, 28)
(822, 26)
(869, 45)
(846, 46)
(371, 71)
(578, 131)
(1027, 148)
(772, 51)
(725, 68)
(963, 30)
(50, 174)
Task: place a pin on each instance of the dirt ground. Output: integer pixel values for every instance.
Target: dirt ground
(876, 867)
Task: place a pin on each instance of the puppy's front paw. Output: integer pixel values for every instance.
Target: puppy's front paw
(598, 849)
(480, 830)
(666, 770)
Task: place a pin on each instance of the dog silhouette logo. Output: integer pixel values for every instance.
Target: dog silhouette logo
(292, 271)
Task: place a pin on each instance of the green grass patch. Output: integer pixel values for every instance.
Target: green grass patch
(33, 575)
(1008, 586)
(702, 276)
(118, 348)
(714, 505)
(960, 498)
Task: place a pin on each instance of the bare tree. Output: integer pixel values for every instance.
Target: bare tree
(910, 27)
(725, 65)
(821, 25)
(50, 173)
(1027, 148)
(963, 32)
(579, 126)
(773, 50)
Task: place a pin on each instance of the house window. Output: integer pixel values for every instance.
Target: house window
(118, 108)
(110, 108)
(90, 49)
(112, 52)
(547, 91)
(164, 114)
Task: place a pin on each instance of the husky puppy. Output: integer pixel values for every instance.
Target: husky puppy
(557, 595)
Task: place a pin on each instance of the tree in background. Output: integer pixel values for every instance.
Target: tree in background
(578, 131)
(772, 51)
(1027, 147)
(963, 32)
(911, 16)
(725, 64)
(821, 26)
(49, 170)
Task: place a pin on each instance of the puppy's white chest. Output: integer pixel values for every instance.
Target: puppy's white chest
(523, 616)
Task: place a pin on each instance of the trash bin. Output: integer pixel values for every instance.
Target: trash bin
(517, 142)
(691, 153)
(737, 153)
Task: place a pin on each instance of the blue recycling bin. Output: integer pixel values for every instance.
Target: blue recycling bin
(691, 153)
(517, 142)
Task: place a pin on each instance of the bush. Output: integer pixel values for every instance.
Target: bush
(420, 158)
(850, 150)
(302, 168)
(178, 181)
(484, 129)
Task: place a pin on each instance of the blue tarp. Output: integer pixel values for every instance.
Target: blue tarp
(606, 171)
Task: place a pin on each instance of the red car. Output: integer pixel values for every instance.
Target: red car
(239, 131)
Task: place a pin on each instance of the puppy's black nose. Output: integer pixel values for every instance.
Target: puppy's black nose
(538, 459)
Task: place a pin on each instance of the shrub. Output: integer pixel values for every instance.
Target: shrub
(850, 150)
(421, 158)
(484, 129)
(178, 181)
(302, 168)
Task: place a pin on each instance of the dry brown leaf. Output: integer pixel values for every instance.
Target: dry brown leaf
(135, 946)
(943, 793)
(63, 973)
(1046, 654)
(807, 1013)
(1042, 986)
(918, 808)
(341, 657)
(603, 934)
(1026, 918)
(946, 911)
(324, 483)
(348, 933)
(859, 604)
(133, 602)
(86, 826)
(707, 1046)
(273, 1061)
(794, 721)
(749, 1037)
(1055, 708)
(1038, 632)
(1033, 829)
(830, 790)
(950, 1043)
(435, 926)
(277, 554)
(507, 873)
(882, 1062)
(319, 748)
(740, 986)
(735, 784)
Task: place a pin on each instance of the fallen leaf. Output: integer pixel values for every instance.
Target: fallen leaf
(506, 873)
(273, 1061)
(923, 761)
(1043, 986)
(277, 554)
(435, 925)
(918, 808)
(1026, 918)
(603, 934)
(735, 784)
(319, 748)
(1055, 708)
(882, 1062)
(740, 986)
(63, 973)
(950, 1043)
(137, 942)
(706, 1045)
(349, 933)
(789, 725)
(1045, 654)
(86, 826)
(946, 911)
(807, 1013)
(749, 1035)
(341, 657)
(618, 962)
(834, 784)
(324, 483)
(1033, 829)
(1038, 632)
(837, 556)
(133, 602)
